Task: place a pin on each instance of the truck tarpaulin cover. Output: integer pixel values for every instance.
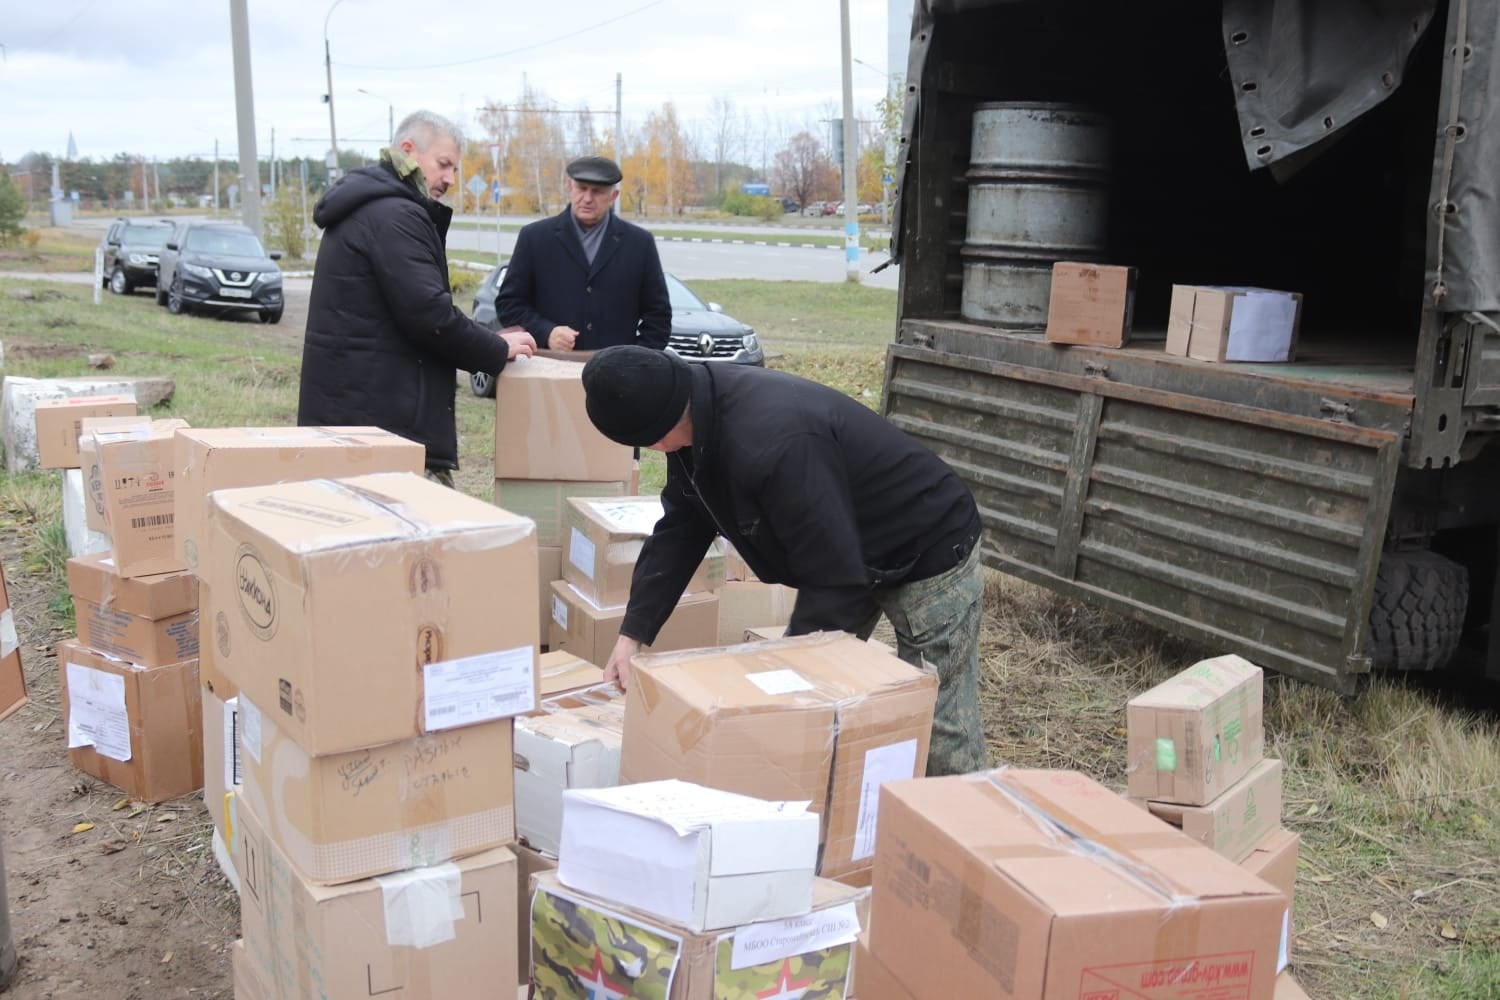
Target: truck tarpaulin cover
(1317, 66)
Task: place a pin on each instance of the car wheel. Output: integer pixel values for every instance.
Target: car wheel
(175, 304)
(271, 315)
(118, 283)
(483, 384)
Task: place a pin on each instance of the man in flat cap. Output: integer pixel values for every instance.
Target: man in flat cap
(586, 278)
(816, 491)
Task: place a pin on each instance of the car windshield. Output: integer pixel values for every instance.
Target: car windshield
(154, 237)
(217, 241)
(682, 296)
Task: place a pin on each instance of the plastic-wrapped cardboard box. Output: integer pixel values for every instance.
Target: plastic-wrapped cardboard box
(1033, 884)
(149, 620)
(365, 611)
(745, 604)
(362, 813)
(1233, 323)
(138, 728)
(560, 672)
(545, 501)
(1237, 819)
(1192, 736)
(587, 946)
(823, 718)
(434, 933)
(12, 676)
(543, 431)
(1091, 304)
(88, 461)
(59, 422)
(603, 542)
(138, 480)
(573, 743)
(217, 458)
(582, 628)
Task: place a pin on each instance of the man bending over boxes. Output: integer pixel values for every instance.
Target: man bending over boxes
(815, 491)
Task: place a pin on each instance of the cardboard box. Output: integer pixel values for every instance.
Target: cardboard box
(735, 567)
(744, 605)
(1288, 988)
(559, 672)
(138, 728)
(823, 718)
(1192, 736)
(209, 674)
(354, 815)
(59, 422)
(18, 400)
(12, 676)
(545, 501)
(138, 476)
(88, 460)
(1237, 819)
(587, 946)
(149, 620)
(543, 431)
(364, 611)
(872, 980)
(699, 857)
(82, 540)
(765, 632)
(1274, 860)
(549, 569)
(427, 934)
(1091, 304)
(1233, 324)
(221, 757)
(604, 539)
(247, 985)
(529, 862)
(217, 458)
(574, 743)
(1031, 884)
(580, 627)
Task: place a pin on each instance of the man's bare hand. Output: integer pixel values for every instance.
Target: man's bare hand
(521, 343)
(562, 338)
(617, 668)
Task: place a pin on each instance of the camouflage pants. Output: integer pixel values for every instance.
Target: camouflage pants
(937, 620)
(443, 477)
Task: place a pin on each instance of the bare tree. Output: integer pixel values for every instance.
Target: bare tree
(722, 124)
(803, 170)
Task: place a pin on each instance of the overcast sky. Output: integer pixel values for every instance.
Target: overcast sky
(155, 77)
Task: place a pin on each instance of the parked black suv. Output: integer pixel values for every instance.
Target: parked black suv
(131, 247)
(217, 267)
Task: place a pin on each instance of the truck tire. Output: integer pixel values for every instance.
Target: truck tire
(1417, 615)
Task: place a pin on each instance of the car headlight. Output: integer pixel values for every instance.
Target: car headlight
(138, 259)
(197, 270)
(750, 342)
(269, 278)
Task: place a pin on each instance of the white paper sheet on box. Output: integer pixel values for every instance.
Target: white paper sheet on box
(581, 553)
(96, 712)
(479, 688)
(422, 905)
(774, 940)
(897, 762)
(786, 681)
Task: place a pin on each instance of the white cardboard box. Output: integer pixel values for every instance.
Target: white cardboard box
(575, 744)
(699, 857)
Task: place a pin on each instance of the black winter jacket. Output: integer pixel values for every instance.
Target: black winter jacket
(815, 490)
(384, 340)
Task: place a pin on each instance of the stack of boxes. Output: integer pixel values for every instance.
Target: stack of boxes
(1196, 759)
(546, 451)
(602, 542)
(377, 671)
(59, 425)
(130, 681)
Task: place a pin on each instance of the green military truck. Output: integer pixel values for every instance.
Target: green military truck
(1323, 517)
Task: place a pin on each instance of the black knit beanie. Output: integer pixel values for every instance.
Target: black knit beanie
(635, 395)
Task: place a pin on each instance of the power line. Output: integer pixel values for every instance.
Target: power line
(509, 52)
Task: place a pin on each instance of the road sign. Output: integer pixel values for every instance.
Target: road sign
(476, 186)
(495, 191)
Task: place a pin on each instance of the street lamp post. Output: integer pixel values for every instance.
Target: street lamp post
(390, 114)
(333, 133)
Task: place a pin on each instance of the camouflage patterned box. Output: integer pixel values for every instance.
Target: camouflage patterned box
(584, 946)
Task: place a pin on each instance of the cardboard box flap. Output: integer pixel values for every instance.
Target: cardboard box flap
(1200, 684)
(561, 672)
(95, 578)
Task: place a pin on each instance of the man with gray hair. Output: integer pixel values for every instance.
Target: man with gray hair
(384, 340)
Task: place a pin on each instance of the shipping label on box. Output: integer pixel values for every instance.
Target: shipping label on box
(1092, 304)
(148, 620)
(363, 611)
(717, 859)
(822, 717)
(137, 728)
(1191, 737)
(1004, 884)
(1233, 323)
(221, 757)
(579, 627)
(362, 813)
(217, 458)
(574, 743)
(543, 431)
(138, 478)
(1237, 819)
(747, 605)
(12, 676)
(546, 501)
(583, 946)
(603, 542)
(432, 933)
(59, 422)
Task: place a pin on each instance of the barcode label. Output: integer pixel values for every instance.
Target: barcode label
(442, 710)
(154, 521)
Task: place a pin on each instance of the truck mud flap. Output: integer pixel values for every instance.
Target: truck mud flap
(1244, 529)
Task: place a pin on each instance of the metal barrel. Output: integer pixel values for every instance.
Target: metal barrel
(7, 948)
(1038, 194)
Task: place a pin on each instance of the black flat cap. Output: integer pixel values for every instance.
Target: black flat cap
(594, 170)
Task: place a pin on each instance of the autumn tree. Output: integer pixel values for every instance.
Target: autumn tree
(658, 166)
(803, 170)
